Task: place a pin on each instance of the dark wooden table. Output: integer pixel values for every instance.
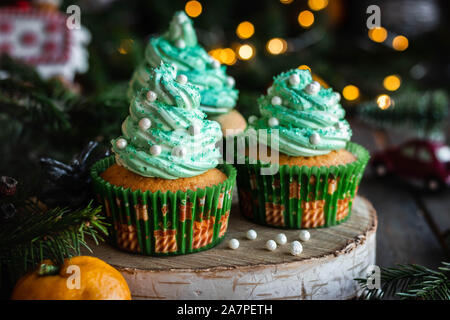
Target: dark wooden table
(413, 225)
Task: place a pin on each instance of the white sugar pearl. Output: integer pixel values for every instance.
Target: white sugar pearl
(314, 139)
(251, 234)
(151, 96)
(312, 88)
(304, 235)
(295, 248)
(281, 239)
(252, 119)
(271, 245)
(155, 150)
(230, 81)
(194, 129)
(294, 79)
(121, 143)
(145, 123)
(233, 244)
(273, 122)
(182, 79)
(179, 151)
(339, 125)
(180, 44)
(276, 101)
(215, 64)
(337, 97)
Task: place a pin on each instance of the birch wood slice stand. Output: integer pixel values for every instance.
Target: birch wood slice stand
(330, 261)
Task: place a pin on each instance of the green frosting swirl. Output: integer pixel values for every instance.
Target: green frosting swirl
(179, 47)
(173, 116)
(303, 112)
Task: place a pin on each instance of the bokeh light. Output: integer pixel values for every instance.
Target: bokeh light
(392, 82)
(306, 18)
(317, 5)
(224, 55)
(193, 8)
(286, 1)
(245, 30)
(378, 34)
(276, 46)
(384, 101)
(246, 52)
(125, 46)
(350, 92)
(400, 43)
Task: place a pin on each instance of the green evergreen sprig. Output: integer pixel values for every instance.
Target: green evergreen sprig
(410, 282)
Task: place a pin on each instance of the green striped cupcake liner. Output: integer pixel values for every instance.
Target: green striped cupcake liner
(300, 197)
(164, 223)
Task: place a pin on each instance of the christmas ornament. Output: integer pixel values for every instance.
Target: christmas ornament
(96, 280)
(7, 186)
(39, 36)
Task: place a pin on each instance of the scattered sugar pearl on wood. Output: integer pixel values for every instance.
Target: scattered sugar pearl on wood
(180, 44)
(304, 235)
(312, 88)
(121, 143)
(294, 79)
(273, 122)
(145, 124)
(151, 96)
(314, 139)
(295, 248)
(276, 101)
(281, 239)
(182, 79)
(251, 234)
(252, 119)
(155, 150)
(271, 245)
(233, 244)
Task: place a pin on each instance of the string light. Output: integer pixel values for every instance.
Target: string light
(125, 46)
(276, 46)
(224, 55)
(392, 82)
(246, 52)
(400, 43)
(306, 18)
(378, 34)
(304, 67)
(350, 92)
(286, 1)
(317, 5)
(384, 101)
(245, 30)
(193, 8)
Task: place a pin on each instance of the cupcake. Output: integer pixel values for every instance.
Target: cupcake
(163, 190)
(179, 47)
(314, 168)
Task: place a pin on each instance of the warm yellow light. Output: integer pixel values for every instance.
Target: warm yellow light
(286, 1)
(384, 101)
(125, 46)
(227, 56)
(317, 5)
(193, 8)
(400, 43)
(304, 67)
(378, 34)
(245, 30)
(276, 46)
(392, 82)
(306, 18)
(350, 92)
(322, 82)
(246, 52)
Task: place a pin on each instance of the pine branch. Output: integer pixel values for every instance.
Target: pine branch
(410, 282)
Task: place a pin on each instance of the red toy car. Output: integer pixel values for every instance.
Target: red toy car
(422, 160)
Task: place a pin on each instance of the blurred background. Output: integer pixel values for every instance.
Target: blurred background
(393, 79)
